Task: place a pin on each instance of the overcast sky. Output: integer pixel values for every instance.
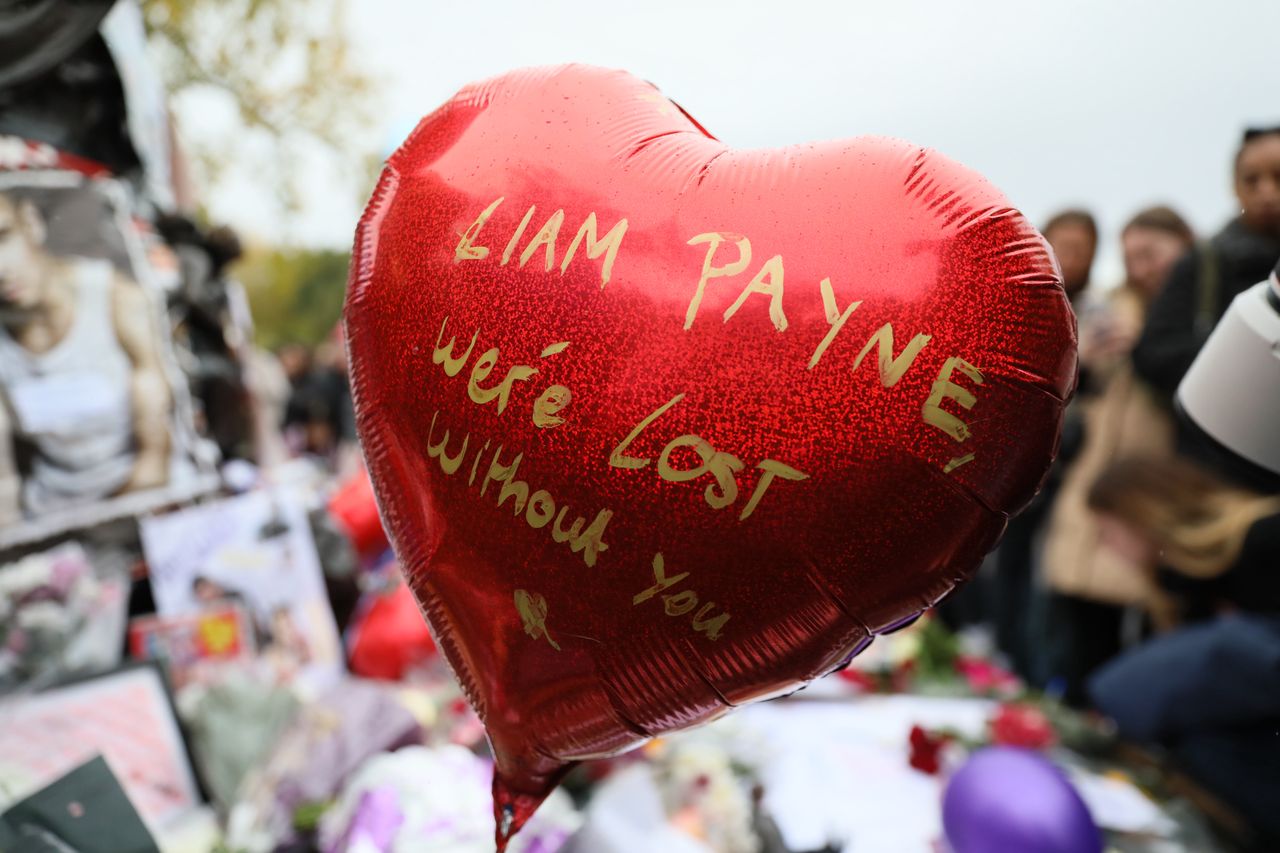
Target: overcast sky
(1107, 104)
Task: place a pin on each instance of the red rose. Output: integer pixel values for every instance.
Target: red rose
(1022, 725)
(926, 750)
(861, 679)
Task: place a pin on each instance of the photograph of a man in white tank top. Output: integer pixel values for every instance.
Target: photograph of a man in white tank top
(84, 400)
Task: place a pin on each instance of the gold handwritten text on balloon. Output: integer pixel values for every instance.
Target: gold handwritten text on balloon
(683, 601)
(769, 282)
(545, 239)
(538, 506)
(722, 467)
(727, 255)
(532, 608)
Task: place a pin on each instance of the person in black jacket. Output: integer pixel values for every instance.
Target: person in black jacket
(1203, 283)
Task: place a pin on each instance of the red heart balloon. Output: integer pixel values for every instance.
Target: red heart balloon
(659, 427)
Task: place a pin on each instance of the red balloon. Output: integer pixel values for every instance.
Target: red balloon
(355, 508)
(659, 427)
(389, 639)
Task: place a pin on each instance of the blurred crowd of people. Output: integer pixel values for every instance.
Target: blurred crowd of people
(317, 417)
(1144, 580)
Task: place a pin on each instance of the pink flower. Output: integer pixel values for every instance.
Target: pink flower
(66, 573)
(16, 641)
(985, 677)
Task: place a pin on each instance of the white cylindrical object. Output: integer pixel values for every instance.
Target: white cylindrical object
(1232, 391)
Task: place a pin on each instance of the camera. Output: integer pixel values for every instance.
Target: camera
(1231, 395)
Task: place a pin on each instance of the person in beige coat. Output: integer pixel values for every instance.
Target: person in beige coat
(1091, 587)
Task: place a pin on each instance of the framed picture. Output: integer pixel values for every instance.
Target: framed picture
(126, 716)
(254, 551)
(95, 418)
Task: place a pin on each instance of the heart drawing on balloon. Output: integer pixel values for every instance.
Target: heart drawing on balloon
(659, 427)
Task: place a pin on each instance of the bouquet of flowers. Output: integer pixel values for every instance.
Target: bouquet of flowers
(1013, 724)
(925, 657)
(433, 800)
(54, 616)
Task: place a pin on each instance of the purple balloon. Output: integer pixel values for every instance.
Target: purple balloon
(1014, 799)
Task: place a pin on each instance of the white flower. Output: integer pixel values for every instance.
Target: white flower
(697, 772)
(85, 594)
(29, 573)
(442, 793)
(44, 617)
(444, 796)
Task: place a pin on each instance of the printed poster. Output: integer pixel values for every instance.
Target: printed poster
(254, 551)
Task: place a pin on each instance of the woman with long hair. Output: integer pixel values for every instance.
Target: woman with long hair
(1223, 541)
(1209, 690)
